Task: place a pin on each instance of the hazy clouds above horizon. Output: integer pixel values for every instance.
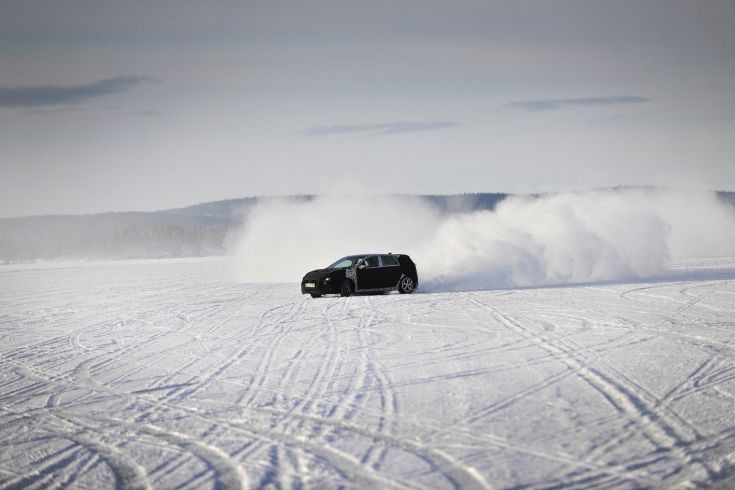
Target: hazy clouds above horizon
(117, 106)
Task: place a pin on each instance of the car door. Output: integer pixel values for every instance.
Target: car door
(368, 273)
(390, 271)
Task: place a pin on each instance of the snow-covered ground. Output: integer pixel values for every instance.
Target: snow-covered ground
(168, 374)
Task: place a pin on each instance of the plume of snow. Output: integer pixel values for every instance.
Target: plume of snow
(556, 239)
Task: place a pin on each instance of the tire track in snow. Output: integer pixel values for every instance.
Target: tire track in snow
(685, 304)
(188, 391)
(286, 463)
(457, 474)
(627, 398)
(389, 401)
(128, 472)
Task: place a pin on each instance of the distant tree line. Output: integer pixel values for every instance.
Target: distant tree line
(156, 240)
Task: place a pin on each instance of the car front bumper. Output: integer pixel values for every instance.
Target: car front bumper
(311, 288)
(321, 286)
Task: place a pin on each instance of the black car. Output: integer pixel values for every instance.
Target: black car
(363, 273)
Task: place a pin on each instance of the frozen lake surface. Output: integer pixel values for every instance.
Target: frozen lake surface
(167, 374)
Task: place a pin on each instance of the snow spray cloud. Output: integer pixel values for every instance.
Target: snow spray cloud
(557, 239)
(284, 238)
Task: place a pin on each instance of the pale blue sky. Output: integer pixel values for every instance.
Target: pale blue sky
(148, 105)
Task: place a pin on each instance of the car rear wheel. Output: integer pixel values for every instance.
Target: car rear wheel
(406, 285)
(346, 289)
(316, 295)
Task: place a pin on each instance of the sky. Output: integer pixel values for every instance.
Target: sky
(144, 105)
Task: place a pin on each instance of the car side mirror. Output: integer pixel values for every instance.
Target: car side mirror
(362, 266)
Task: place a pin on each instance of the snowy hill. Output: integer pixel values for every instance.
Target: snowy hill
(198, 230)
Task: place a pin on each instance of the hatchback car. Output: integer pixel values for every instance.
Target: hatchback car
(363, 273)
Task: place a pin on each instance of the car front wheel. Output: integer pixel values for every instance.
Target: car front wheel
(346, 289)
(406, 285)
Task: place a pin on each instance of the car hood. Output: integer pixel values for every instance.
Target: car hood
(316, 274)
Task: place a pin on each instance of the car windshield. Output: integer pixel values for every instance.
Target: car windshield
(344, 263)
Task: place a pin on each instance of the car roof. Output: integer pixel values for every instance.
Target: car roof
(359, 256)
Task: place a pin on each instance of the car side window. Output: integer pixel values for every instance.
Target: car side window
(371, 261)
(388, 260)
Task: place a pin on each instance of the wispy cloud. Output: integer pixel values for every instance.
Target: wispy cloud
(148, 113)
(55, 95)
(538, 105)
(380, 129)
